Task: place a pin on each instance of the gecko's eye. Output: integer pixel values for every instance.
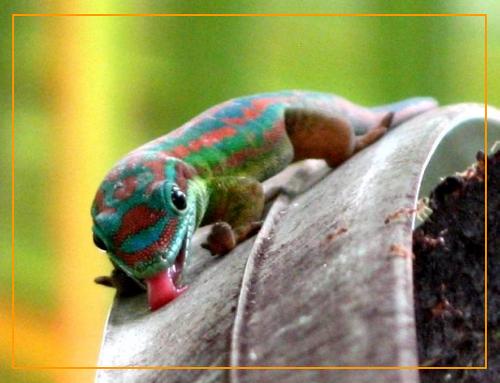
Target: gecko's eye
(178, 198)
(99, 243)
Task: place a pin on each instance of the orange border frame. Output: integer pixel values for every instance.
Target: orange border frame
(485, 79)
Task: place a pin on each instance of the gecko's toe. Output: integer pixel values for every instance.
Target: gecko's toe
(124, 285)
(104, 280)
(387, 120)
(221, 239)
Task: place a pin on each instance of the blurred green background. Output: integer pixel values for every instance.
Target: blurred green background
(90, 89)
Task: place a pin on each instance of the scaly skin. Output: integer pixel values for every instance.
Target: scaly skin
(209, 171)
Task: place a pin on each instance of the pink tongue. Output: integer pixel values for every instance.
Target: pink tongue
(161, 289)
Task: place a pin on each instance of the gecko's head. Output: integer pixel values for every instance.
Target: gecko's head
(144, 214)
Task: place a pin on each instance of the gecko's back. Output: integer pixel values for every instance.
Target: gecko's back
(247, 135)
(150, 203)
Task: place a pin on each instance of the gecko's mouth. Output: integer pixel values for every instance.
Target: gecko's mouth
(163, 286)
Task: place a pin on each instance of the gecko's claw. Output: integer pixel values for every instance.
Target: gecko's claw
(104, 280)
(221, 239)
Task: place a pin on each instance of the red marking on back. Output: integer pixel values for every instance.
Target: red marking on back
(136, 219)
(210, 138)
(271, 136)
(252, 113)
(206, 140)
(262, 103)
(179, 151)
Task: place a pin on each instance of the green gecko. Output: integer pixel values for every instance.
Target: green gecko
(210, 171)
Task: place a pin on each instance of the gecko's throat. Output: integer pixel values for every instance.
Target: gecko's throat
(163, 287)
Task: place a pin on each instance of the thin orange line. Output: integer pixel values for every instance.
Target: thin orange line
(246, 368)
(12, 201)
(486, 191)
(252, 14)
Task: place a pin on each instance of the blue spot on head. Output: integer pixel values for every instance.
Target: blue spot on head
(144, 238)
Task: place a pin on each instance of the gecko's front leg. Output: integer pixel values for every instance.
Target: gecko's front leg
(236, 205)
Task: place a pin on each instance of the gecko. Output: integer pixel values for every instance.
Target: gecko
(209, 171)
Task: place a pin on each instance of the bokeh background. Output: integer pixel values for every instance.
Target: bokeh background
(90, 89)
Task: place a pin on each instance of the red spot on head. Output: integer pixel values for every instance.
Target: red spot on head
(238, 158)
(127, 189)
(183, 173)
(113, 175)
(157, 168)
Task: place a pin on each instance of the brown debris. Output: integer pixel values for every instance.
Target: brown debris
(405, 212)
(332, 236)
(449, 276)
(398, 250)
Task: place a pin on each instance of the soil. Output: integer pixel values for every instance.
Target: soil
(449, 277)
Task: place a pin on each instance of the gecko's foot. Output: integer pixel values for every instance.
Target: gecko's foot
(221, 239)
(124, 285)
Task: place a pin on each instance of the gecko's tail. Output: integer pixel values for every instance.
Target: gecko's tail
(406, 109)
